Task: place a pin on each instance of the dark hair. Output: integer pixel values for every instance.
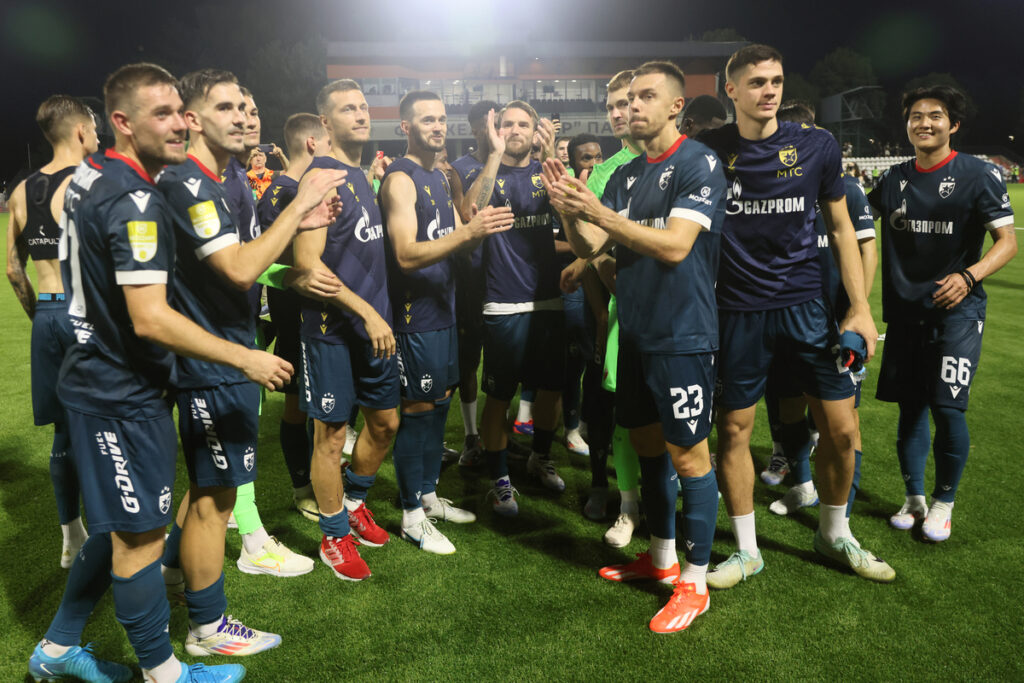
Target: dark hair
(58, 113)
(751, 54)
(671, 71)
(120, 86)
(196, 86)
(525, 106)
(703, 108)
(409, 100)
(245, 91)
(578, 141)
(796, 111)
(952, 100)
(298, 127)
(620, 80)
(323, 97)
(478, 112)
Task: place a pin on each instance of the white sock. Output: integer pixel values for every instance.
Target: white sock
(351, 504)
(254, 541)
(834, 523)
(52, 649)
(663, 552)
(168, 672)
(695, 574)
(940, 510)
(205, 630)
(917, 502)
(469, 417)
(525, 411)
(172, 575)
(411, 518)
(745, 531)
(74, 532)
(630, 503)
(303, 491)
(429, 500)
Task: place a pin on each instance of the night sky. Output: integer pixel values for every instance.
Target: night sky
(50, 46)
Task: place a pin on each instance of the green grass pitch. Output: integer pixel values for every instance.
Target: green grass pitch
(520, 600)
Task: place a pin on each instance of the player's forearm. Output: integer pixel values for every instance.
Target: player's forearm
(175, 332)
(483, 187)
(851, 268)
(22, 288)
(585, 240)
(347, 300)
(999, 254)
(667, 246)
(869, 263)
(254, 257)
(413, 256)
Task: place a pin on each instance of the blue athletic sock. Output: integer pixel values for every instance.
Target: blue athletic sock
(140, 603)
(295, 448)
(795, 440)
(771, 404)
(63, 475)
(658, 484)
(335, 525)
(88, 580)
(952, 444)
(411, 442)
(431, 460)
(172, 548)
(912, 440)
(700, 512)
(357, 485)
(855, 486)
(542, 439)
(208, 604)
(497, 463)
(574, 363)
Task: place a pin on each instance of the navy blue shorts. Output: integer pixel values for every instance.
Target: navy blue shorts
(125, 469)
(428, 363)
(527, 348)
(675, 390)
(285, 313)
(336, 377)
(802, 338)
(52, 335)
(219, 428)
(932, 362)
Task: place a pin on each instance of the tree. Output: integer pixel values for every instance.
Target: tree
(842, 70)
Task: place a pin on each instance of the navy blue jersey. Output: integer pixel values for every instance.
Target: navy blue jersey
(204, 225)
(520, 264)
(279, 195)
(468, 169)
(769, 246)
(933, 224)
(864, 228)
(41, 234)
(424, 298)
(663, 308)
(355, 253)
(116, 232)
(242, 200)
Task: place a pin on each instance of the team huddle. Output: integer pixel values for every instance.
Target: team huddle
(680, 281)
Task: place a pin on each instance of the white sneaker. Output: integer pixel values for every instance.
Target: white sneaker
(350, 440)
(504, 498)
(914, 508)
(233, 638)
(575, 443)
(621, 533)
(274, 559)
(938, 523)
(446, 512)
(544, 469)
(795, 498)
(428, 538)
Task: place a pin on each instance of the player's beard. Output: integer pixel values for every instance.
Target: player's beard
(518, 155)
(425, 142)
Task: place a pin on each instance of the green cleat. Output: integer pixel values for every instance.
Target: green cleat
(737, 568)
(847, 553)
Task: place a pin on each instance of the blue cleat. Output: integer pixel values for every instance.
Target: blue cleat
(222, 673)
(77, 663)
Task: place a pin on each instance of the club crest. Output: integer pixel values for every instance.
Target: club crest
(666, 176)
(327, 403)
(787, 155)
(947, 186)
(249, 459)
(426, 383)
(165, 500)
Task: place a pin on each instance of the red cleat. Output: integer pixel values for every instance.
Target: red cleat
(341, 556)
(640, 568)
(365, 529)
(685, 605)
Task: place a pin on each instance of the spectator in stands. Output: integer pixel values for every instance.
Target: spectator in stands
(260, 177)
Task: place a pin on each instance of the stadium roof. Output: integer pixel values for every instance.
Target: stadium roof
(561, 49)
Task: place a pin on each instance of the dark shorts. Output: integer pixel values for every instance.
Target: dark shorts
(469, 317)
(219, 428)
(52, 335)
(675, 390)
(802, 338)
(527, 348)
(428, 363)
(285, 313)
(125, 470)
(932, 362)
(336, 377)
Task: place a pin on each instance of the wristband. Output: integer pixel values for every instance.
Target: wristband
(968, 278)
(274, 276)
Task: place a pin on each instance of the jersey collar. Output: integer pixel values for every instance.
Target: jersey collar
(667, 153)
(213, 176)
(112, 154)
(936, 166)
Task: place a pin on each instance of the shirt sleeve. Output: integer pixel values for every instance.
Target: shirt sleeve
(860, 211)
(269, 207)
(699, 191)
(993, 202)
(203, 217)
(831, 168)
(141, 238)
(614, 192)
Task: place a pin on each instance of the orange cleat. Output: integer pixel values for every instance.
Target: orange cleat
(685, 605)
(641, 568)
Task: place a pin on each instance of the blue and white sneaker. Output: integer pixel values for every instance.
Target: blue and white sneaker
(77, 663)
(222, 673)
(504, 498)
